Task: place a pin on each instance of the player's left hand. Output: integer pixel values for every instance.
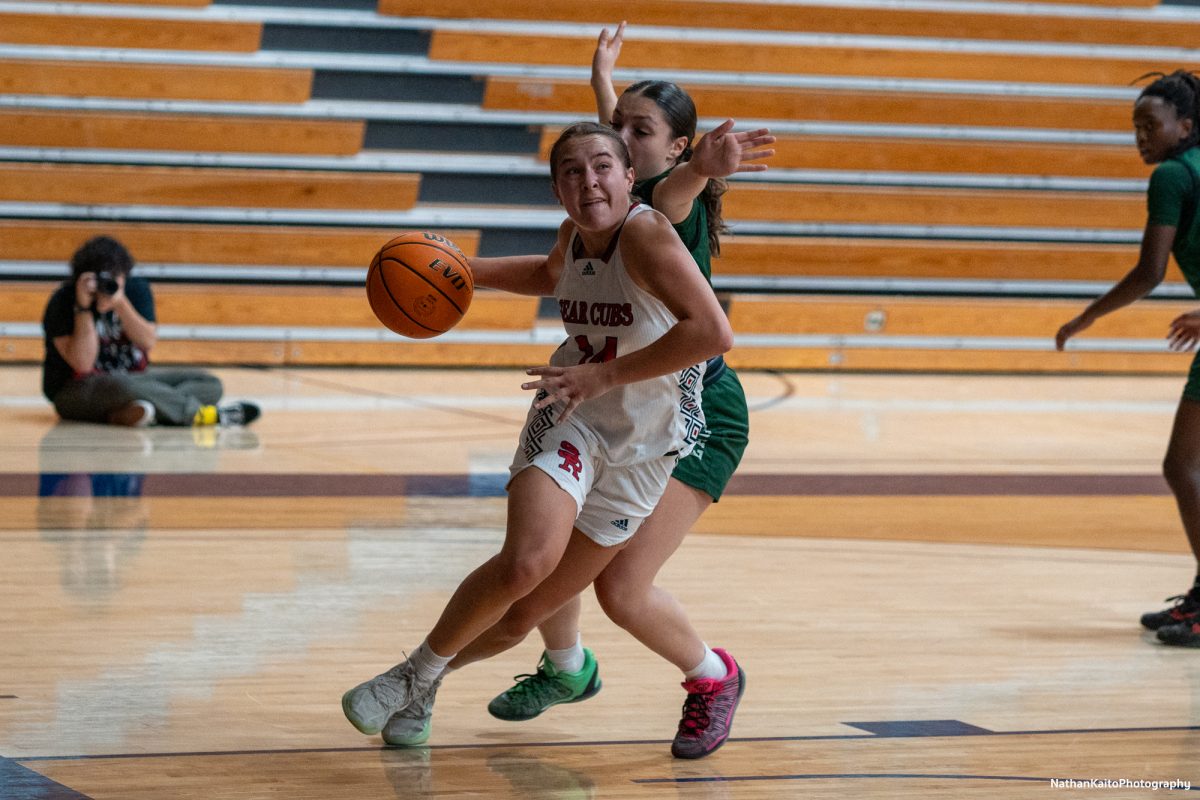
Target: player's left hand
(720, 153)
(569, 385)
(1184, 331)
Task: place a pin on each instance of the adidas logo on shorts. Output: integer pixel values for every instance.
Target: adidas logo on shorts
(620, 524)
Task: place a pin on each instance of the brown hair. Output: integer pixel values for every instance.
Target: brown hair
(680, 112)
(580, 130)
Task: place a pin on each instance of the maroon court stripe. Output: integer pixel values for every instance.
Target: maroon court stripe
(492, 485)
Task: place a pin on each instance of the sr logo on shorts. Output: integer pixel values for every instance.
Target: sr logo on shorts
(569, 454)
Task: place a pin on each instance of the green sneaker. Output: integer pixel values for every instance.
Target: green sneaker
(547, 687)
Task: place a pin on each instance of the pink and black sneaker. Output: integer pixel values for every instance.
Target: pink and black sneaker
(708, 711)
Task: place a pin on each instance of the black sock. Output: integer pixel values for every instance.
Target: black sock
(1195, 590)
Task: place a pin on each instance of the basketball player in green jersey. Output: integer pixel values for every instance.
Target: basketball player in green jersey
(1166, 121)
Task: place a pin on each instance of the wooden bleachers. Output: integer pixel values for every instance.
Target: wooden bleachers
(191, 3)
(848, 257)
(154, 81)
(769, 57)
(945, 335)
(192, 186)
(945, 155)
(256, 245)
(882, 21)
(914, 206)
(332, 248)
(256, 188)
(949, 156)
(103, 30)
(285, 325)
(279, 306)
(833, 105)
(945, 317)
(179, 132)
(1054, 167)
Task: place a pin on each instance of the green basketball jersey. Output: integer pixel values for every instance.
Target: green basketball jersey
(693, 230)
(1172, 200)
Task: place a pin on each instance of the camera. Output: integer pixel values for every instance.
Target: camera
(106, 284)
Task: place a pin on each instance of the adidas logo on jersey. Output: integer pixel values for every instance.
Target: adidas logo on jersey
(620, 524)
(588, 269)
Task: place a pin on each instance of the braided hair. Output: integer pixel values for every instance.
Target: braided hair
(1181, 91)
(680, 113)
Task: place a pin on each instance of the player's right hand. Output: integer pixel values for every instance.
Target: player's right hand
(607, 50)
(1075, 326)
(85, 290)
(1184, 331)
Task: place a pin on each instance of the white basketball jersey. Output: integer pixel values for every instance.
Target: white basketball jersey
(607, 315)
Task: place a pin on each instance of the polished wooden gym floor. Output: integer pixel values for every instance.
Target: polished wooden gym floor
(933, 584)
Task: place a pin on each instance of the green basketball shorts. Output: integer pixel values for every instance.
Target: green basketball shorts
(719, 449)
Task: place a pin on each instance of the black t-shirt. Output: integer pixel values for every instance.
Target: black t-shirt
(117, 353)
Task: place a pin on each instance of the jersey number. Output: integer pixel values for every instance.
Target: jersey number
(590, 356)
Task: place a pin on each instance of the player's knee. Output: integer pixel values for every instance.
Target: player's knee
(509, 631)
(514, 626)
(619, 604)
(522, 572)
(1181, 472)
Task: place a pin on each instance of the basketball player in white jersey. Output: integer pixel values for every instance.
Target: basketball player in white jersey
(614, 410)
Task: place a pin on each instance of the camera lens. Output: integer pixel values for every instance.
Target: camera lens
(106, 283)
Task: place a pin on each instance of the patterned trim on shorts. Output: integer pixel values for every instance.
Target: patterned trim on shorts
(535, 429)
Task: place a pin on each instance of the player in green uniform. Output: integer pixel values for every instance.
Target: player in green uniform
(1167, 126)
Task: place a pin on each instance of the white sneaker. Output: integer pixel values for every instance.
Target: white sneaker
(411, 725)
(369, 705)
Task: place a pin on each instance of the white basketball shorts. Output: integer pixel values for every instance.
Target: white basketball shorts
(612, 501)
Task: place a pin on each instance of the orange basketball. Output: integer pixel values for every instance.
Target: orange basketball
(420, 285)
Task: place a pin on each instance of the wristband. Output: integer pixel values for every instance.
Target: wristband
(80, 309)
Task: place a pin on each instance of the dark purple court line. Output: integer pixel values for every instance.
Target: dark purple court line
(950, 484)
(492, 485)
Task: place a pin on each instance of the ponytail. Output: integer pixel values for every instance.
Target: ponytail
(710, 198)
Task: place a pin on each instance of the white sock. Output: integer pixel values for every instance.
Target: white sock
(711, 666)
(569, 659)
(147, 415)
(428, 664)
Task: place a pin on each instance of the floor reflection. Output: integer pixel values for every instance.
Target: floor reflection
(94, 509)
(98, 520)
(539, 777)
(424, 773)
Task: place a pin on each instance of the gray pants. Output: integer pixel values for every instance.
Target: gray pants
(176, 394)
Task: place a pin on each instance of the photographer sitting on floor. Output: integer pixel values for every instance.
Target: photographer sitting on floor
(99, 330)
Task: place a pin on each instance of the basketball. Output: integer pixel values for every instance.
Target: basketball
(420, 285)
